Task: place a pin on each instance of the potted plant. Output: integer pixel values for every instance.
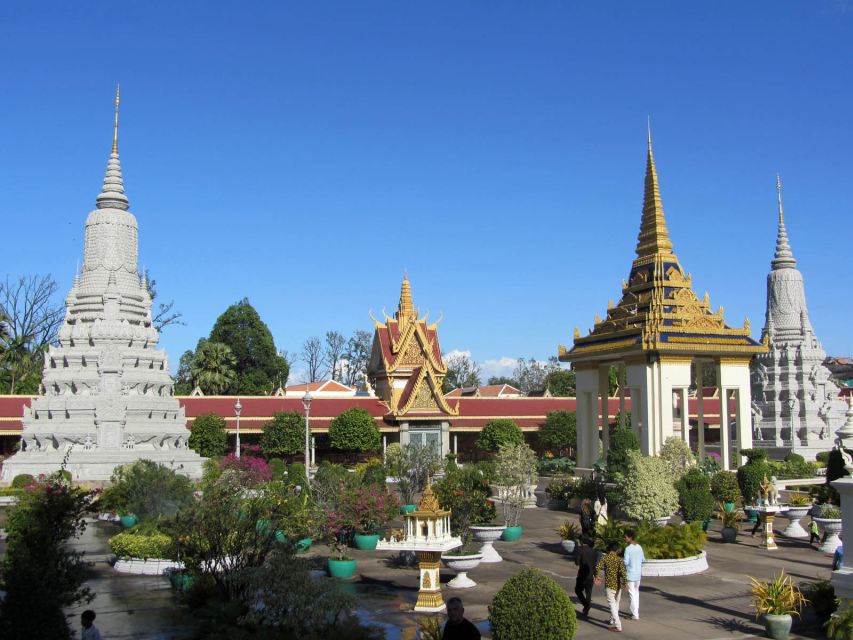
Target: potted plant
(777, 600)
(369, 508)
(730, 521)
(412, 465)
(336, 529)
(799, 505)
(830, 521)
(647, 490)
(559, 490)
(725, 488)
(840, 625)
(515, 465)
(821, 595)
(569, 534)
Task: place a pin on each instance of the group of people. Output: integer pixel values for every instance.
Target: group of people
(616, 570)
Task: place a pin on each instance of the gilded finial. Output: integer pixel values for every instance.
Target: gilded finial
(115, 127)
(779, 192)
(597, 319)
(746, 324)
(609, 304)
(577, 333)
(649, 127)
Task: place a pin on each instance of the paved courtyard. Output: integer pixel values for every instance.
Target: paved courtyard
(711, 605)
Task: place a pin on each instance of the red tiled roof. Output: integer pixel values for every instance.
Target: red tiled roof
(327, 386)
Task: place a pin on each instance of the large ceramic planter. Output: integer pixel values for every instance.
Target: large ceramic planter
(662, 521)
(462, 565)
(303, 545)
(366, 542)
(511, 534)
(341, 569)
(180, 581)
(751, 514)
(777, 627)
(558, 505)
(569, 546)
(675, 566)
(729, 506)
(487, 535)
(794, 529)
(127, 521)
(729, 534)
(832, 528)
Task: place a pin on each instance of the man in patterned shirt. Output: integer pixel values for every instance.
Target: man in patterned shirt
(615, 578)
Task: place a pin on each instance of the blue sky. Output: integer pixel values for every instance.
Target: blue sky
(304, 154)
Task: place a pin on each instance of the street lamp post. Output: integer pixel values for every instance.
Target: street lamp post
(237, 409)
(791, 404)
(306, 402)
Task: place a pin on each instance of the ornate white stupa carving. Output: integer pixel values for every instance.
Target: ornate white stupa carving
(791, 389)
(107, 396)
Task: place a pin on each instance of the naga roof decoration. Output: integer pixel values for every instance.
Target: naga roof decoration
(659, 310)
(406, 348)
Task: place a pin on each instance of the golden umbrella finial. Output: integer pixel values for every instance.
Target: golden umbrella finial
(115, 128)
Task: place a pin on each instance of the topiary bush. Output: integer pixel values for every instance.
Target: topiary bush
(622, 441)
(559, 431)
(22, 480)
(147, 489)
(532, 606)
(694, 496)
(498, 433)
(354, 430)
(647, 488)
(678, 456)
(284, 435)
(725, 487)
(751, 475)
(374, 474)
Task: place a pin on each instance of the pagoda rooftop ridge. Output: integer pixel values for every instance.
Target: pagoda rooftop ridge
(658, 310)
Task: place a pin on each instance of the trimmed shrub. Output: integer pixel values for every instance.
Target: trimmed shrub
(559, 430)
(751, 475)
(554, 466)
(498, 433)
(207, 436)
(694, 496)
(725, 487)
(277, 468)
(678, 456)
(532, 606)
(354, 430)
(647, 488)
(132, 544)
(284, 435)
(147, 489)
(622, 441)
(22, 480)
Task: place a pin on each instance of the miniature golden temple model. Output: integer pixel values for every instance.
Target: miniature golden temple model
(661, 337)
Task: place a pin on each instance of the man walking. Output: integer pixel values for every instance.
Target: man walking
(585, 559)
(458, 627)
(634, 559)
(614, 581)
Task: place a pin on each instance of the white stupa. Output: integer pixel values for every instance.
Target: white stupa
(796, 406)
(107, 396)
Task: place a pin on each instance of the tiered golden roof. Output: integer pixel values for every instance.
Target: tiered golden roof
(406, 348)
(659, 310)
(429, 504)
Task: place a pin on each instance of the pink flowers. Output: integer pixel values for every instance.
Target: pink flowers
(254, 470)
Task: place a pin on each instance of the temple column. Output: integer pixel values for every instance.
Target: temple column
(604, 399)
(455, 444)
(700, 411)
(685, 415)
(587, 424)
(622, 385)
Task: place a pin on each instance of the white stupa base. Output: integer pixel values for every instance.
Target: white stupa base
(98, 465)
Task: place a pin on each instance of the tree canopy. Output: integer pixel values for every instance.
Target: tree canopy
(213, 367)
(259, 367)
(208, 437)
(561, 383)
(499, 432)
(284, 435)
(559, 430)
(354, 430)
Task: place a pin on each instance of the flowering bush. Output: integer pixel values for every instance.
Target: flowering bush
(362, 509)
(647, 488)
(252, 471)
(466, 494)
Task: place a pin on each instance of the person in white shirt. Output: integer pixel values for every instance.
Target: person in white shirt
(634, 559)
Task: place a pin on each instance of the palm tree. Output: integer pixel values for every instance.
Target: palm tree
(213, 367)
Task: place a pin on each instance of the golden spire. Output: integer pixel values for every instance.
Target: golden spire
(406, 309)
(115, 128)
(779, 191)
(654, 236)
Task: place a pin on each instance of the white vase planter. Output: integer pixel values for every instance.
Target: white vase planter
(569, 546)
(488, 535)
(794, 529)
(832, 528)
(149, 567)
(462, 565)
(661, 521)
(675, 567)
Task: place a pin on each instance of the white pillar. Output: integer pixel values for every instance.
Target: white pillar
(456, 444)
(313, 451)
(700, 411)
(685, 415)
(586, 408)
(384, 447)
(725, 438)
(604, 399)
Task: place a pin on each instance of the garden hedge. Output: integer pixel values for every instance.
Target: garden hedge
(532, 606)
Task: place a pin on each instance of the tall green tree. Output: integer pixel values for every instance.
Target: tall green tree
(184, 376)
(561, 383)
(559, 431)
(259, 368)
(213, 367)
(497, 433)
(284, 435)
(208, 437)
